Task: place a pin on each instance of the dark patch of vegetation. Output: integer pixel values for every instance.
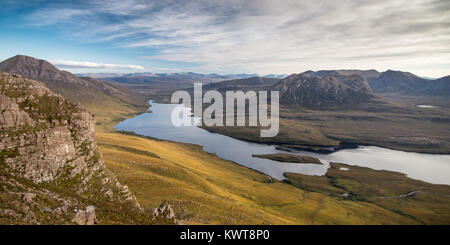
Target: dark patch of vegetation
(283, 157)
(129, 149)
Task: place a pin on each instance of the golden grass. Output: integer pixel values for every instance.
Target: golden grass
(427, 203)
(205, 189)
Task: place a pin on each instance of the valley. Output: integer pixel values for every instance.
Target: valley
(427, 212)
(204, 189)
(378, 120)
(208, 187)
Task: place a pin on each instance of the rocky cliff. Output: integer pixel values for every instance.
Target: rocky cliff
(50, 167)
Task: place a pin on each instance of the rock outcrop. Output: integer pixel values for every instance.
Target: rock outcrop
(164, 211)
(85, 217)
(49, 161)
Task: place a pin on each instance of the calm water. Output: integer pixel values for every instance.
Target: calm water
(426, 167)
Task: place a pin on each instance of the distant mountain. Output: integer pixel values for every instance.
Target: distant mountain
(280, 76)
(363, 73)
(398, 82)
(440, 87)
(176, 79)
(97, 96)
(148, 77)
(237, 84)
(99, 75)
(164, 79)
(242, 75)
(321, 73)
(317, 92)
(394, 82)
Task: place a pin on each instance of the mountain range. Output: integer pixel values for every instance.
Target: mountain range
(388, 82)
(395, 82)
(242, 84)
(181, 77)
(311, 89)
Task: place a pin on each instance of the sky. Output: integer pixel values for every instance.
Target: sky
(230, 36)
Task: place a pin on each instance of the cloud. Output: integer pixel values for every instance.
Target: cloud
(265, 36)
(82, 64)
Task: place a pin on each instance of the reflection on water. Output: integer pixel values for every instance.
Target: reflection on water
(426, 167)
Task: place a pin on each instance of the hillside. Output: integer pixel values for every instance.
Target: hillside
(398, 82)
(323, 92)
(424, 202)
(394, 82)
(101, 98)
(439, 87)
(51, 171)
(205, 189)
(241, 84)
(362, 73)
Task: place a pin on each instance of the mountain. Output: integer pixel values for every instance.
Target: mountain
(99, 97)
(51, 171)
(398, 82)
(183, 77)
(239, 84)
(99, 75)
(363, 73)
(439, 86)
(329, 91)
(394, 82)
(156, 78)
(280, 76)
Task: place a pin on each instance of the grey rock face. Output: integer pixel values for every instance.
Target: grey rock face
(85, 217)
(46, 139)
(165, 211)
(49, 136)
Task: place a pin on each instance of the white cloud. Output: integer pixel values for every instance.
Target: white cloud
(84, 64)
(268, 36)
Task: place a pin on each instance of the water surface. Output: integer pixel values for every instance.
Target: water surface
(427, 167)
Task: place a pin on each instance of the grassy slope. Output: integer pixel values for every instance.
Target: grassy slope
(108, 109)
(426, 203)
(205, 189)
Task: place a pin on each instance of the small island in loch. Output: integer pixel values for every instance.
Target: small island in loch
(284, 157)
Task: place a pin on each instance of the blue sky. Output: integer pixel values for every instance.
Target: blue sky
(230, 36)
